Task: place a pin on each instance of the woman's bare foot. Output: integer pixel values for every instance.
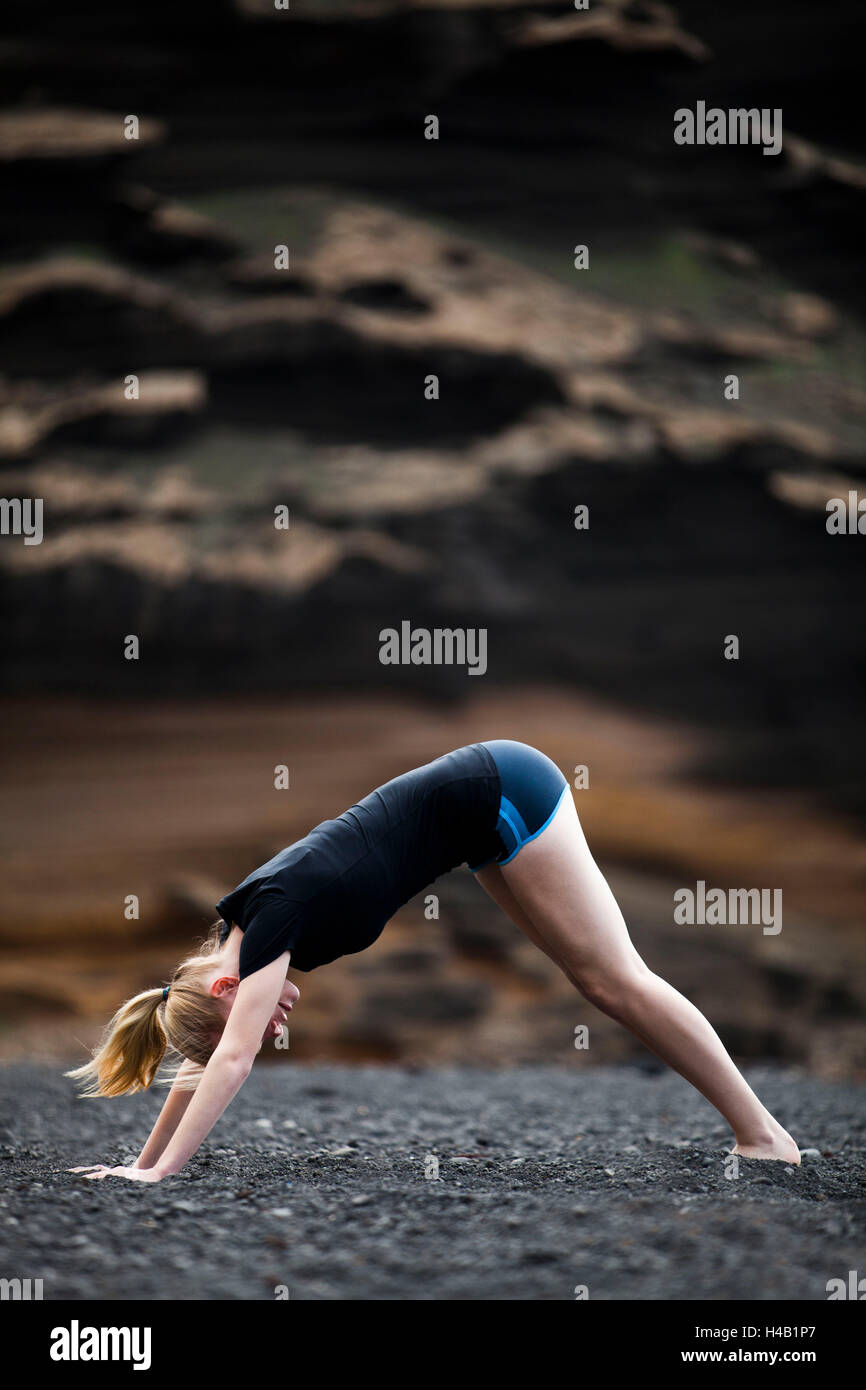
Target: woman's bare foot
(775, 1143)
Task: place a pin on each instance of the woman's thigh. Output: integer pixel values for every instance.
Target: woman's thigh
(492, 881)
(557, 884)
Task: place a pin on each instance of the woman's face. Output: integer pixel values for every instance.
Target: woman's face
(224, 987)
(289, 996)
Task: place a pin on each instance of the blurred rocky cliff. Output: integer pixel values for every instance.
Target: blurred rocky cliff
(303, 387)
(408, 257)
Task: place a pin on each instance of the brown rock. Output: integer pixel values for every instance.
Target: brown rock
(30, 411)
(805, 315)
(70, 133)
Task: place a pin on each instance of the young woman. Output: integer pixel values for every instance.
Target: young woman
(503, 808)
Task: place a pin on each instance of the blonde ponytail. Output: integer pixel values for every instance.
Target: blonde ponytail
(189, 1021)
(132, 1047)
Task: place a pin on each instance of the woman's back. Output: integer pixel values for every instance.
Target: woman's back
(332, 892)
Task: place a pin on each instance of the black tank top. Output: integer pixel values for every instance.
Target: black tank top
(331, 893)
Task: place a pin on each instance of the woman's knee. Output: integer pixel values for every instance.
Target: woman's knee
(610, 987)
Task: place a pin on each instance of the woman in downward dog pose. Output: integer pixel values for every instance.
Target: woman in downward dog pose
(501, 807)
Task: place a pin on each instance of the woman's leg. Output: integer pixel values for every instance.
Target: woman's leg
(555, 892)
(492, 882)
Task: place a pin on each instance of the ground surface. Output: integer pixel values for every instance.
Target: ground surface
(549, 1178)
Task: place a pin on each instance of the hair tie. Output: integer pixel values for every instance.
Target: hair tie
(165, 993)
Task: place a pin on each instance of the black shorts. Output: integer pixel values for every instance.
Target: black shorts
(532, 791)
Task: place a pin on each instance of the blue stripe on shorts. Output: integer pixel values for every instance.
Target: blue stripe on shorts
(532, 789)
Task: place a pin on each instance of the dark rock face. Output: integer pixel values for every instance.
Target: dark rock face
(557, 388)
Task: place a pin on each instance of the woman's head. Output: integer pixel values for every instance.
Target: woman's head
(189, 1020)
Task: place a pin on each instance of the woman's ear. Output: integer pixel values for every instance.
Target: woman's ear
(223, 985)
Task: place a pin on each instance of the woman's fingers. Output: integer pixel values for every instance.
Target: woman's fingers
(88, 1168)
(98, 1171)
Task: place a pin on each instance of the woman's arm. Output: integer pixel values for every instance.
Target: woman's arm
(225, 1073)
(170, 1116)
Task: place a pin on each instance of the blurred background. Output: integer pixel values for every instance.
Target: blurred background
(305, 387)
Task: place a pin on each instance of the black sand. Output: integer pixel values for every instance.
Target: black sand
(549, 1178)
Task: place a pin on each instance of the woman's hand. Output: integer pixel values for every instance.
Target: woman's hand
(95, 1171)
